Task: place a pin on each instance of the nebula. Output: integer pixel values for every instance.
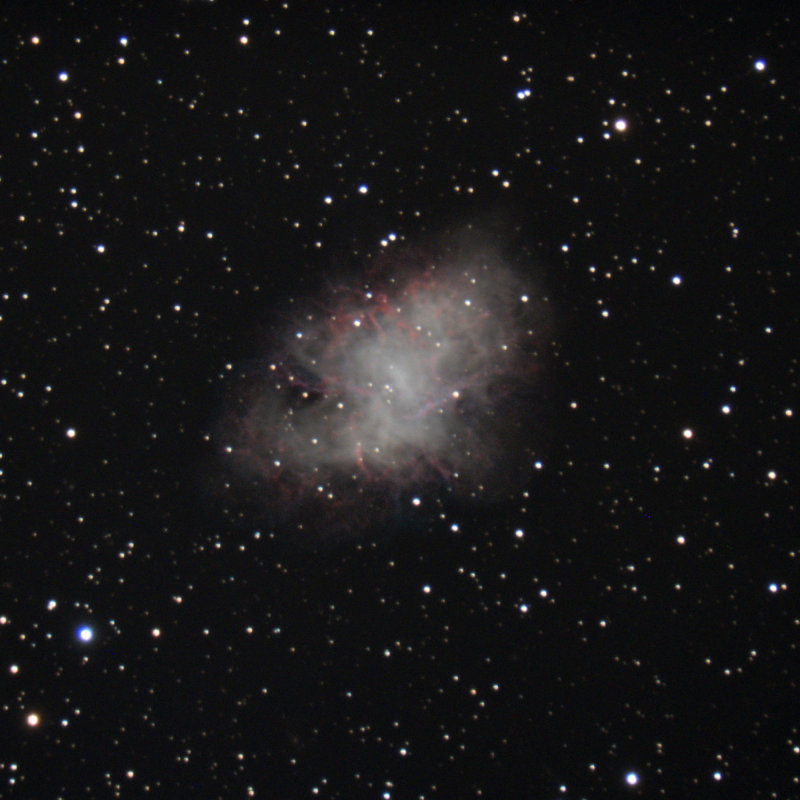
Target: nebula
(417, 381)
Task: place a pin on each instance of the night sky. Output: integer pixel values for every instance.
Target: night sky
(621, 621)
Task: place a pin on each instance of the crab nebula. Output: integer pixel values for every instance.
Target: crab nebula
(412, 385)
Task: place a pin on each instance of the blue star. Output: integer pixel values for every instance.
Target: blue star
(85, 633)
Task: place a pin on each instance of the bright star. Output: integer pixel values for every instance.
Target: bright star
(85, 633)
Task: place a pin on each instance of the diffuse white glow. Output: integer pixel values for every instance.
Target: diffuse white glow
(387, 387)
(385, 392)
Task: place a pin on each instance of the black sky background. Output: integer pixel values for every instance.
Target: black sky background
(164, 202)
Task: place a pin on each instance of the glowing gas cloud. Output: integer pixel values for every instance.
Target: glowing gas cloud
(417, 380)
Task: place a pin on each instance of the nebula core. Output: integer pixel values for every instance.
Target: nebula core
(416, 383)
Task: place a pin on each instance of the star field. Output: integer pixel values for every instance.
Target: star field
(181, 185)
